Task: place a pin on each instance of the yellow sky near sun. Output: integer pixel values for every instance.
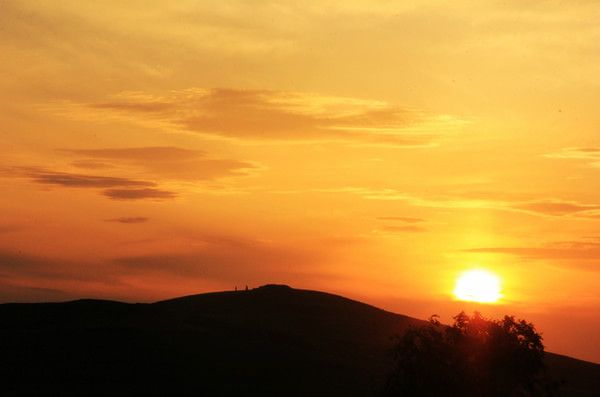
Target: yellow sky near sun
(151, 149)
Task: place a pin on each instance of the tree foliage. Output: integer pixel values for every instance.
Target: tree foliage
(474, 357)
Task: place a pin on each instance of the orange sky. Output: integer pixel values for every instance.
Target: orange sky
(154, 149)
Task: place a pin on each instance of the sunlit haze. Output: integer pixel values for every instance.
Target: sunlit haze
(370, 149)
(478, 286)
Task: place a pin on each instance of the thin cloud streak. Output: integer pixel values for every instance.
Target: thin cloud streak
(82, 181)
(544, 207)
(167, 162)
(287, 116)
(583, 255)
(139, 194)
(591, 155)
(156, 153)
(119, 188)
(402, 229)
(405, 219)
(128, 219)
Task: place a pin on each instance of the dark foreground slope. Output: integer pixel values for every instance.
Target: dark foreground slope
(273, 340)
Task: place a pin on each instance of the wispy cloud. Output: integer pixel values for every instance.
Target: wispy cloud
(128, 219)
(286, 116)
(577, 153)
(15, 292)
(589, 154)
(580, 254)
(65, 179)
(159, 153)
(167, 162)
(229, 259)
(150, 166)
(405, 219)
(556, 207)
(400, 224)
(401, 229)
(139, 194)
(542, 207)
(90, 164)
(117, 188)
(19, 265)
(225, 258)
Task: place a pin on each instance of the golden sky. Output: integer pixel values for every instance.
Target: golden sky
(373, 149)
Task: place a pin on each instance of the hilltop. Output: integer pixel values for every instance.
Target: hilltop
(272, 340)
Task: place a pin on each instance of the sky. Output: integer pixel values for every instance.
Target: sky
(152, 149)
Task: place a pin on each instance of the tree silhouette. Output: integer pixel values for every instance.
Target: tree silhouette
(474, 357)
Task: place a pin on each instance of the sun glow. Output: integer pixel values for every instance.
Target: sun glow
(478, 286)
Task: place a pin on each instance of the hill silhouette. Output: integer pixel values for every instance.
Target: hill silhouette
(273, 340)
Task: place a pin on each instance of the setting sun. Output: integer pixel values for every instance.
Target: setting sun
(478, 286)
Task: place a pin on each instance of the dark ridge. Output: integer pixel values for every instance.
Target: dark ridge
(579, 378)
(271, 340)
(279, 295)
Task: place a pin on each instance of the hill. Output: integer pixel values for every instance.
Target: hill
(272, 340)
